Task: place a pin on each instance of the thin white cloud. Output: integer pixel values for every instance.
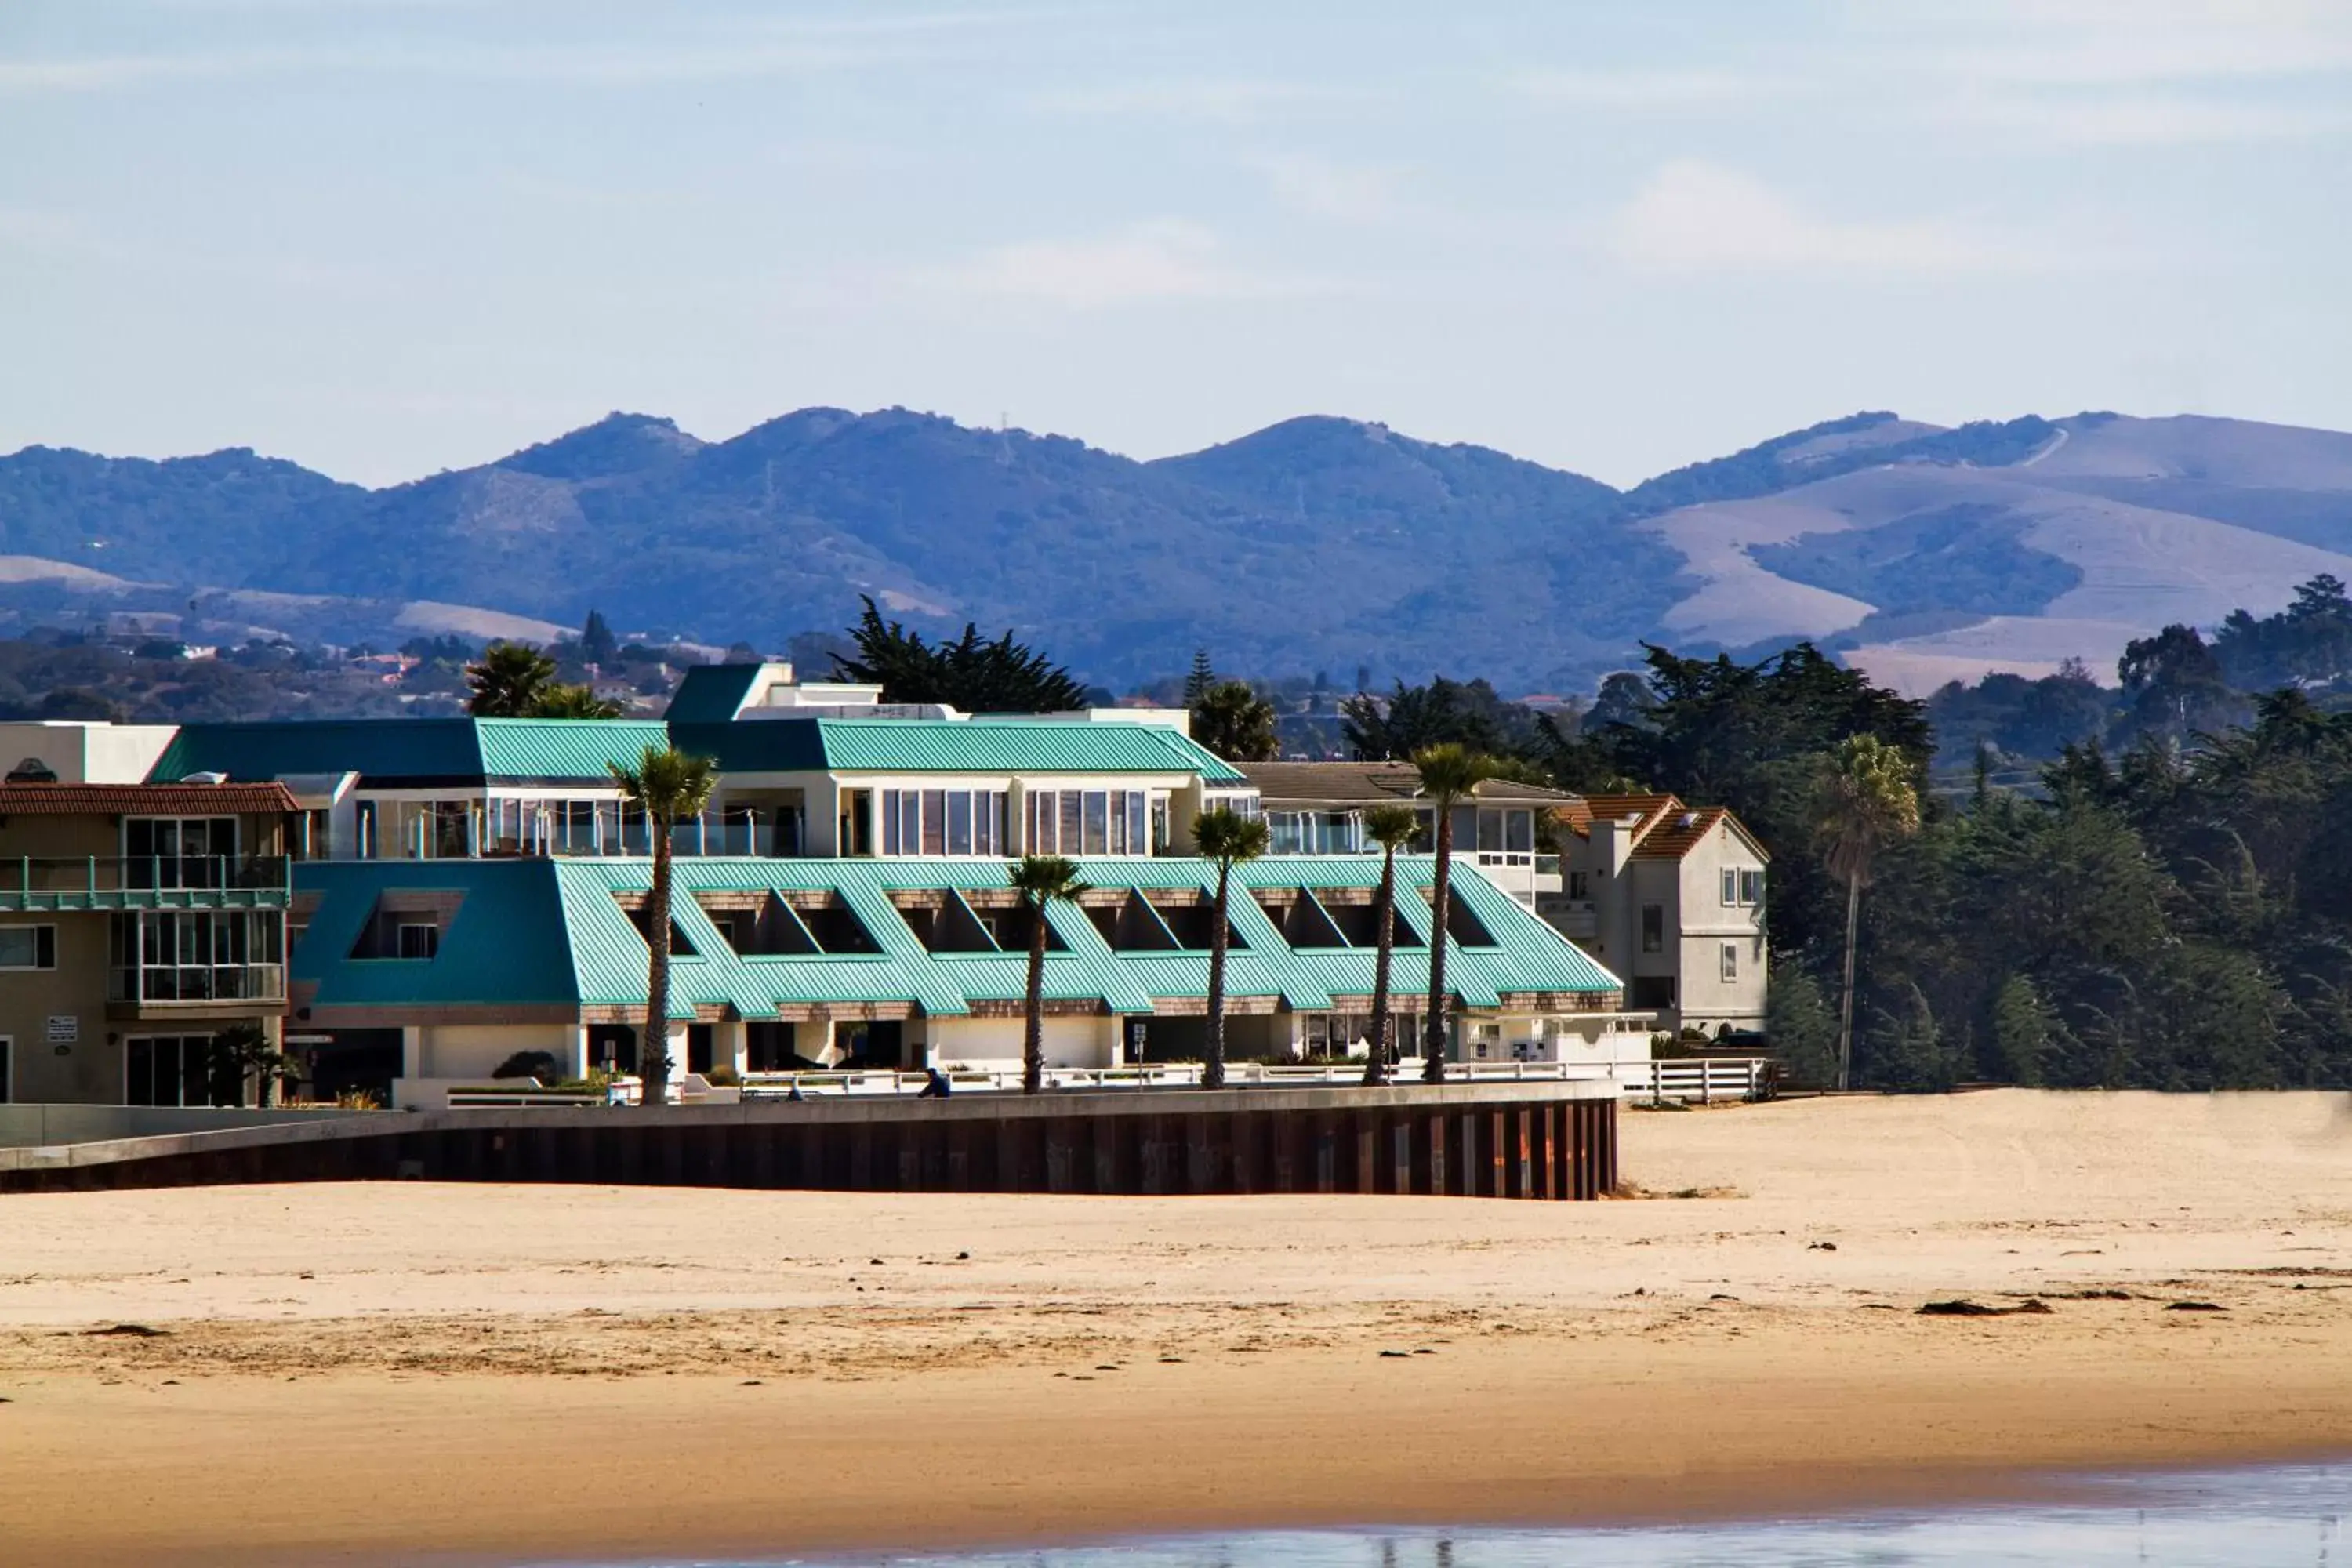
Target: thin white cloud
(1165, 259)
(1638, 90)
(1320, 187)
(2120, 42)
(1223, 100)
(2141, 121)
(1696, 217)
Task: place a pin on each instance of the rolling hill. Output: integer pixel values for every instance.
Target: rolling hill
(1315, 544)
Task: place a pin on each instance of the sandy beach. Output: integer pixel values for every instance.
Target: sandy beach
(377, 1372)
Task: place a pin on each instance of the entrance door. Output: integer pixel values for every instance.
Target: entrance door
(6, 1062)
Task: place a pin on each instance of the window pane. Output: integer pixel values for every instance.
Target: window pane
(1654, 928)
(1519, 827)
(958, 822)
(1119, 822)
(1751, 886)
(1730, 961)
(1098, 822)
(1072, 828)
(19, 947)
(1490, 830)
(1730, 886)
(889, 822)
(1138, 831)
(935, 821)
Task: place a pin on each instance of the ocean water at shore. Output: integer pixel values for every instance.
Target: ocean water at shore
(2274, 1517)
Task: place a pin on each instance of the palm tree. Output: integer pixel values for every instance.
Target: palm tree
(1448, 774)
(1864, 798)
(1041, 880)
(1226, 837)
(1391, 828)
(669, 785)
(508, 681)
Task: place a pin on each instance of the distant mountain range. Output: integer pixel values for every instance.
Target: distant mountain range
(1315, 544)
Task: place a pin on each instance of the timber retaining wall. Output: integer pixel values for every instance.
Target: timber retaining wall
(1538, 1140)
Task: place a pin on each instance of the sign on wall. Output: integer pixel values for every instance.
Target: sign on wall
(65, 1029)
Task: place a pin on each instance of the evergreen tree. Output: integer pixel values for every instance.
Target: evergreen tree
(1201, 680)
(969, 673)
(1235, 723)
(597, 645)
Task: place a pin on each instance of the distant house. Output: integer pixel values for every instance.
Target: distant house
(1317, 808)
(1670, 897)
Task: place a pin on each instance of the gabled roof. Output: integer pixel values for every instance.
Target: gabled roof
(1664, 829)
(143, 800)
(951, 746)
(506, 945)
(537, 931)
(415, 753)
(1371, 782)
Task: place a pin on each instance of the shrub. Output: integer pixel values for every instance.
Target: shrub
(540, 1065)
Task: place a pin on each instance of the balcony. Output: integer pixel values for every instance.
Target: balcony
(140, 986)
(145, 882)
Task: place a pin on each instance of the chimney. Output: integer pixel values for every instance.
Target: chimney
(1612, 842)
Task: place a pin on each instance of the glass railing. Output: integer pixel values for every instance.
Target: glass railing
(196, 982)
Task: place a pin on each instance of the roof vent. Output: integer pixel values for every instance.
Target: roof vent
(203, 778)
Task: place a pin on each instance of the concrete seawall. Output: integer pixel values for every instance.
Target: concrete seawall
(1549, 1140)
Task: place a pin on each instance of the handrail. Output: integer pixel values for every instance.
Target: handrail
(91, 875)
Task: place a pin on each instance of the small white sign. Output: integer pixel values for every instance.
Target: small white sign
(65, 1029)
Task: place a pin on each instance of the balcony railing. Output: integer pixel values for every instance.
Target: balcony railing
(196, 982)
(146, 882)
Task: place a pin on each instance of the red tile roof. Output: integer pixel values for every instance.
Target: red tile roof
(1668, 829)
(143, 800)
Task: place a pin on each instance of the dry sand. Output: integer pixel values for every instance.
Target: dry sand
(370, 1371)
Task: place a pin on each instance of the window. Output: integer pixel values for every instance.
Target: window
(1730, 961)
(943, 822)
(418, 939)
(190, 955)
(1730, 886)
(29, 947)
(1751, 886)
(178, 852)
(1092, 822)
(1579, 885)
(1654, 928)
(176, 1070)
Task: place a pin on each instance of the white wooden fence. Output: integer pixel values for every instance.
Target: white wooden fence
(1698, 1081)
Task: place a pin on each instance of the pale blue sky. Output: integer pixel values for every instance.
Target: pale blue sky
(386, 237)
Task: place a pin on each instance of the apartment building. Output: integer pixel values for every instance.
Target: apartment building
(440, 894)
(137, 921)
(1671, 897)
(409, 977)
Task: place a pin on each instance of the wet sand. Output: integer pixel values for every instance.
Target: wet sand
(378, 1372)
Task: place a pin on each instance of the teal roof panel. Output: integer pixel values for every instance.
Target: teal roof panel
(951, 746)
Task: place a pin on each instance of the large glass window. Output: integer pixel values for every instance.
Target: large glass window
(943, 822)
(178, 852)
(1094, 822)
(1654, 928)
(199, 955)
(170, 1069)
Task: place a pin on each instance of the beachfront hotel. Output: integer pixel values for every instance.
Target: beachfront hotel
(446, 895)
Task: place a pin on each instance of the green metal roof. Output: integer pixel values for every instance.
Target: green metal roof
(951, 746)
(420, 752)
(506, 945)
(390, 752)
(541, 931)
(711, 693)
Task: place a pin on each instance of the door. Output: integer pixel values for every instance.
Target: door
(7, 1063)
